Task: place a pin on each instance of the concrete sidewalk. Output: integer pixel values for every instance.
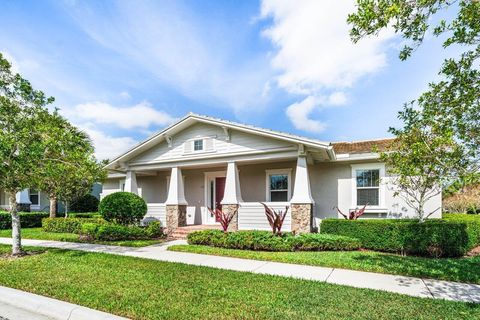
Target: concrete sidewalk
(425, 288)
(20, 305)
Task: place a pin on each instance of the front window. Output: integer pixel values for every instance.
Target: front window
(34, 197)
(368, 187)
(279, 187)
(198, 145)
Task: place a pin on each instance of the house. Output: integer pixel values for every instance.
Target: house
(36, 200)
(201, 162)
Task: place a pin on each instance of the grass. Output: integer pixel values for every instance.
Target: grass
(453, 269)
(38, 233)
(147, 289)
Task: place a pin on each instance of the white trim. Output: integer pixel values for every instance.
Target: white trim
(32, 205)
(381, 188)
(288, 172)
(206, 219)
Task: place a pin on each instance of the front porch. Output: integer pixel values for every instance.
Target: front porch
(181, 196)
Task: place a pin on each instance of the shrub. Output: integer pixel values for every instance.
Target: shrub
(115, 232)
(123, 208)
(266, 241)
(84, 215)
(27, 219)
(435, 237)
(223, 217)
(67, 225)
(275, 219)
(87, 203)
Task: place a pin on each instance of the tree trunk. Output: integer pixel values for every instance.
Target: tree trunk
(66, 209)
(53, 207)
(16, 229)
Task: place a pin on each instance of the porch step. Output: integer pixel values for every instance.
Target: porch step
(182, 232)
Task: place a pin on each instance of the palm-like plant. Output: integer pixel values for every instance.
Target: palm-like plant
(275, 219)
(353, 214)
(223, 217)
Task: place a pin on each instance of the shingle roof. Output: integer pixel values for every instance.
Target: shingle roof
(362, 146)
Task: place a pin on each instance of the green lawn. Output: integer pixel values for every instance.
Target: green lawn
(459, 269)
(38, 233)
(147, 289)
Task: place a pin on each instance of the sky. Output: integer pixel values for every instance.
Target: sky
(123, 70)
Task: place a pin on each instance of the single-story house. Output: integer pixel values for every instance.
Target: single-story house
(201, 162)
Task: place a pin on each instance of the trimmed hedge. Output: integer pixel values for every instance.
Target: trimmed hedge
(451, 237)
(87, 203)
(115, 232)
(67, 225)
(84, 215)
(123, 208)
(266, 241)
(27, 219)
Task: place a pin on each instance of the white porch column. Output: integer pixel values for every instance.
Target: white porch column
(302, 201)
(131, 182)
(232, 193)
(23, 197)
(176, 205)
(301, 190)
(23, 200)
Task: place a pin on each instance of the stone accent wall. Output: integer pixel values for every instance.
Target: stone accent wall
(176, 216)
(301, 218)
(229, 208)
(23, 207)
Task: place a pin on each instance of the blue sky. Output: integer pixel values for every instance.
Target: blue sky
(122, 70)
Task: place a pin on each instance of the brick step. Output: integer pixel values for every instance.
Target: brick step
(182, 232)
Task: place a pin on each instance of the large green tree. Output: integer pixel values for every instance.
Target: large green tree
(69, 167)
(444, 122)
(21, 145)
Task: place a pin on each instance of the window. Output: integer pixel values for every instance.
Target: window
(34, 197)
(368, 186)
(198, 145)
(278, 185)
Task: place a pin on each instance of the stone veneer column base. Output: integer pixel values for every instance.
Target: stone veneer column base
(176, 216)
(228, 209)
(23, 207)
(301, 217)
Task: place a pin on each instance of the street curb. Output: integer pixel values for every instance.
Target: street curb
(55, 309)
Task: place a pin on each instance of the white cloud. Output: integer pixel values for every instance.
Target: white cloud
(107, 147)
(141, 115)
(15, 67)
(315, 55)
(299, 113)
(125, 95)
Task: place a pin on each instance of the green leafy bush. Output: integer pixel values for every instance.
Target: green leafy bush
(84, 215)
(450, 237)
(27, 219)
(87, 203)
(115, 232)
(123, 208)
(266, 241)
(67, 225)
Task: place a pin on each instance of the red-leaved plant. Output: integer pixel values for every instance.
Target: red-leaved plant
(353, 214)
(223, 217)
(275, 219)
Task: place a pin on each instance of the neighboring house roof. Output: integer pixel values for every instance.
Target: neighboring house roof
(366, 146)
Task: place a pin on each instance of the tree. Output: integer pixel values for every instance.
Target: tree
(441, 127)
(450, 107)
(69, 168)
(21, 147)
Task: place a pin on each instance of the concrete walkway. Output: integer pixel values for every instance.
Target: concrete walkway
(20, 305)
(425, 288)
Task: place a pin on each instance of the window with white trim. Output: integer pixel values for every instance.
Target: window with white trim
(34, 197)
(368, 186)
(278, 185)
(198, 145)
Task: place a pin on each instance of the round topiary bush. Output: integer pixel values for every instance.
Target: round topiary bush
(87, 203)
(123, 208)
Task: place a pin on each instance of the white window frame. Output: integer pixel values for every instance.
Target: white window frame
(381, 186)
(268, 173)
(191, 142)
(203, 145)
(37, 205)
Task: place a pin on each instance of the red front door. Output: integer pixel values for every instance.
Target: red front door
(219, 191)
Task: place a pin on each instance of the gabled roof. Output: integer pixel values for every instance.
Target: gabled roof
(366, 146)
(192, 118)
